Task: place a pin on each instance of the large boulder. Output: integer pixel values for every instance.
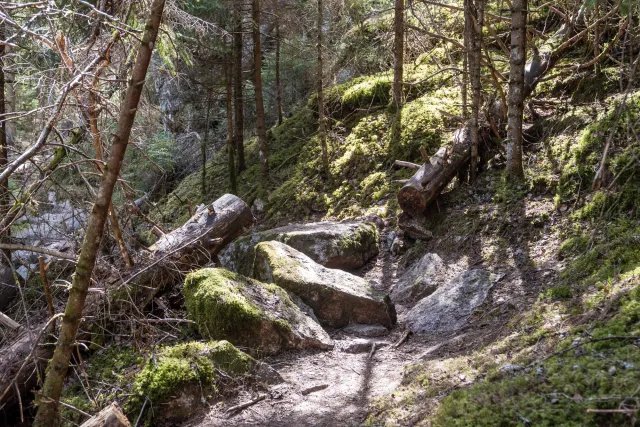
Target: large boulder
(420, 280)
(343, 245)
(336, 297)
(256, 315)
(452, 304)
(179, 379)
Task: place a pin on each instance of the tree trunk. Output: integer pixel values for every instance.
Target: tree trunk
(278, 82)
(476, 10)
(517, 62)
(203, 146)
(229, 101)
(322, 125)
(427, 183)
(5, 196)
(263, 145)
(47, 414)
(398, 54)
(238, 102)
(111, 416)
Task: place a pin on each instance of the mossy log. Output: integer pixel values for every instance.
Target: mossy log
(433, 176)
(111, 416)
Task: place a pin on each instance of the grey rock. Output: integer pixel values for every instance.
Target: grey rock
(333, 244)
(336, 297)
(414, 227)
(451, 305)
(420, 280)
(360, 345)
(367, 331)
(245, 312)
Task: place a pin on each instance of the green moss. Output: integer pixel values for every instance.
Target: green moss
(598, 257)
(562, 389)
(214, 301)
(191, 363)
(116, 366)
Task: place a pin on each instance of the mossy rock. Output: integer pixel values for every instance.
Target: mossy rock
(256, 315)
(180, 378)
(343, 245)
(336, 297)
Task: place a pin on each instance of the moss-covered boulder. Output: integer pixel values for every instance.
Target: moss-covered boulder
(179, 379)
(344, 245)
(262, 317)
(336, 297)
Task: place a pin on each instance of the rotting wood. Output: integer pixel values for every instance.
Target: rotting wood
(111, 416)
(432, 177)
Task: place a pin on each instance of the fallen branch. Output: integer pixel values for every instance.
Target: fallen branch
(313, 389)
(403, 338)
(8, 322)
(406, 164)
(245, 405)
(373, 350)
(37, 250)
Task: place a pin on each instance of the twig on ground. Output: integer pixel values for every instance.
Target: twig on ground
(245, 405)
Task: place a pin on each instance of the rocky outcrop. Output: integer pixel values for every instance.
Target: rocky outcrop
(420, 280)
(336, 297)
(256, 315)
(452, 304)
(333, 244)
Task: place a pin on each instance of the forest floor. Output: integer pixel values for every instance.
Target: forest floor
(356, 383)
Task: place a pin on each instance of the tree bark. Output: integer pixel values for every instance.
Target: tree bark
(398, 54)
(238, 102)
(278, 82)
(322, 125)
(263, 144)
(230, 137)
(517, 62)
(48, 414)
(203, 146)
(476, 11)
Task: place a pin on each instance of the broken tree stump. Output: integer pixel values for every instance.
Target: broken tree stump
(111, 416)
(433, 176)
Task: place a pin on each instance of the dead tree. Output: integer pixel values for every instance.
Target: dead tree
(48, 406)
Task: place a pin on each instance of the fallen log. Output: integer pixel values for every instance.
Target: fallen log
(111, 416)
(433, 176)
(194, 244)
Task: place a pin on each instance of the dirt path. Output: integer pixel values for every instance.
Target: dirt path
(353, 381)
